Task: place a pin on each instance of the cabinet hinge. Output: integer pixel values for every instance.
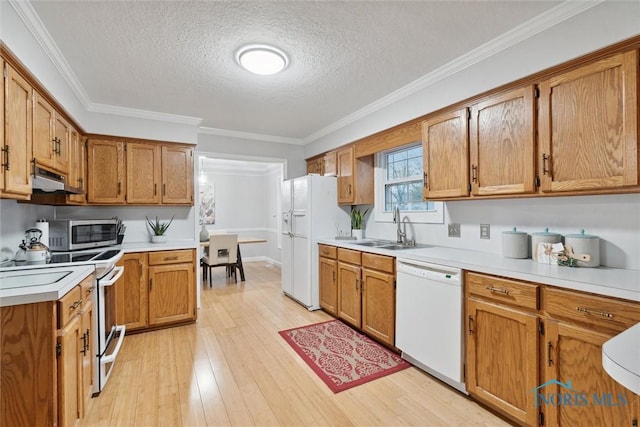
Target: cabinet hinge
(536, 93)
(537, 181)
(541, 328)
(634, 422)
(469, 187)
(394, 284)
(4, 72)
(468, 114)
(58, 349)
(540, 418)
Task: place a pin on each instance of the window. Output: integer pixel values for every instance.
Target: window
(399, 183)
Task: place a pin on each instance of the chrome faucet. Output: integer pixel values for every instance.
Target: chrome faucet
(402, 236)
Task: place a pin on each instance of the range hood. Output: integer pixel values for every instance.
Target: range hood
(44, 181)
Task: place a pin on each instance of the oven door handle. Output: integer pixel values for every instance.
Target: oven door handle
(112, 277)
(112, 357)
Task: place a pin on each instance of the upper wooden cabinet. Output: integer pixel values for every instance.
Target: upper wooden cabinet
(445, 143)
(355, 178)
(177, 175)
(329, 167)
(588, 126)
(77, 166)
(16, 135)
(502, 144)
(51, 147)
(315, 166)
(105, 172)
(143, 173)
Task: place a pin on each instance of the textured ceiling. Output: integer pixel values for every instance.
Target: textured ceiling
(177, 57)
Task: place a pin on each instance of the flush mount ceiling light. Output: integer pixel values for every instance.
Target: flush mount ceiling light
(262, 59)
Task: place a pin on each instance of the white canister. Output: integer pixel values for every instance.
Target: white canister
(584, 244)
(543, 237)
(515, 244)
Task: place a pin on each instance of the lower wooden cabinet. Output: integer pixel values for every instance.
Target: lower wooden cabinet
(328, 281)
(366, 292)
(47, 359)
(156, 289)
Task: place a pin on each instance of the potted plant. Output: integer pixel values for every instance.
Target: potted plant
(159, 228)
(357, 222)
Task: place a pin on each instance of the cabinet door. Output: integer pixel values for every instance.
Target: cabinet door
(77, 166)
(18, 135)
(177, 175)
(171, 293)
(105, 172)
(88, 352)
(69, 373)
(62, 144)
(349, 300)
(502, 358)
(315, 166)
(329, 285)
(131, 292)
(44, 145)
(445, 143)
(330, 167)
(344, 160)
(574, 357)
(502, 143)
(588, 126)
(143, 173)
(379, 305)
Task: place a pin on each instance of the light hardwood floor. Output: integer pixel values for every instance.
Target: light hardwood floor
(232, 368)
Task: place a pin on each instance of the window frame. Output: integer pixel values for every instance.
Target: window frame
(435, 216)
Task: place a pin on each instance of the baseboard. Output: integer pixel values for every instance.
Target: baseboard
(261, 259)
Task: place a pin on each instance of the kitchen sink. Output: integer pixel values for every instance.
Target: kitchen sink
(373, 243)
(386, 244)
(38, 278)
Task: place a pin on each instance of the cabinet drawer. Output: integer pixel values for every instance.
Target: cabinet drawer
(69, 305)
(378, 262)
(327, 251)
(604, 312)
(504, 290)
(88, 287)
(350, 256)
(170, 257)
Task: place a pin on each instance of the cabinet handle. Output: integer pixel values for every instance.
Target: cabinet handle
(357, 287)
(75, 305)
(55, 147)
(595, 312)
(349, 188)
(549, 351)
(474, 173)
(6, 163)
(469, 325)
(164, 189)
(334, 276)
(150, 284)
(88, 341)
(497, 290)
(425, 180)
(140, 269)
(84, 344)
(119, 188)
(544, 163)
(89, 290)
(155, 189)
(170, 258)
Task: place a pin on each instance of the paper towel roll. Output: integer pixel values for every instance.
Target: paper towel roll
(43, 225)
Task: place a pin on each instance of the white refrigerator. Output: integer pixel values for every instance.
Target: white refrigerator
(309, 211)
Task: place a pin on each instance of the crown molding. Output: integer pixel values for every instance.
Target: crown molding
(143, 114)
(33, 22)
(516, 35)
(251, 136)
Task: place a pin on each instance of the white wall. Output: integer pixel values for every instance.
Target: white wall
(246, 204)
(15, 219)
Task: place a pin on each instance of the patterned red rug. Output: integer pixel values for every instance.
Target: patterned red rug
(340, 356)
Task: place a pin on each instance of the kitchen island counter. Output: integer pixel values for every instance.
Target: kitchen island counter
(169, 245)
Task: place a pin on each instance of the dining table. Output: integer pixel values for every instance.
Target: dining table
(241, 241)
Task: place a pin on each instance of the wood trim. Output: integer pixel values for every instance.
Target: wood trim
(402, 134)
(127, 139)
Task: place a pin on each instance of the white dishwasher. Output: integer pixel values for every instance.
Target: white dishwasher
(429, 319)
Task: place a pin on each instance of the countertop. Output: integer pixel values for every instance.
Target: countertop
(29, 291)
(613, 282)
(170, 245)
(621, 358)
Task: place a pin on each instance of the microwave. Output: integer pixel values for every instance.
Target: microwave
(74, 234)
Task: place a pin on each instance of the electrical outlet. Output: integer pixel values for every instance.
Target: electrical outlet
(454, 230)
(485, 231)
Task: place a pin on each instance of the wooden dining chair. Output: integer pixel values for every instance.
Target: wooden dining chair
(223, 252)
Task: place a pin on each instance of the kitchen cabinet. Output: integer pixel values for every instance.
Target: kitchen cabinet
(578, 326)
(445, 146)
(366, 293)
(105, 172)
(502, 144)
(16, 135)
(355, 178)
(50, 136)
(329, 164)
(77, 167)
(588, 126)
(502, 361)
(157, 289)
(69, 373)
(143, 173)
(177, 175)
(328, 281)
(315, 166)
